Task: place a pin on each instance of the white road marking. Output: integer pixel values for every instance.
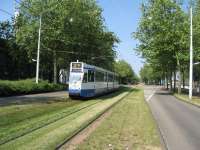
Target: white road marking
(149, 92)
(149, 98)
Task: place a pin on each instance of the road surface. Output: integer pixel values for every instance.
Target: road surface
(43, 97)
(178, 121)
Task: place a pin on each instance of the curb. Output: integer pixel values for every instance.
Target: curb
(198, 106)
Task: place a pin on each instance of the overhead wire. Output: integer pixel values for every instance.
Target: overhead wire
(8, 13)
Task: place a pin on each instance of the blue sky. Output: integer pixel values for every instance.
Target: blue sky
(121, 17)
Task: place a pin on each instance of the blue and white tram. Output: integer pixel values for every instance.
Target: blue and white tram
(88, 81)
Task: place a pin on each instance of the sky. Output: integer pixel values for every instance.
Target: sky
(121, 17)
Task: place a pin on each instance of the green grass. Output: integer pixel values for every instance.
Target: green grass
(51, 122)
(17, 120)
(129, 125)
(28, 86)
(195, 99)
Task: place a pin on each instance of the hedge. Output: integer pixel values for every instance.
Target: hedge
(28, 86)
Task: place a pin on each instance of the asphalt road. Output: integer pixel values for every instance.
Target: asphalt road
(178, 121)
(43, 97)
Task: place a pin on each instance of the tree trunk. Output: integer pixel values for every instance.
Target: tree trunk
(174, 81)
(183, 79)
(167, 82)
(179, 74)
(171, 87)
(179, 82)
(54, 68)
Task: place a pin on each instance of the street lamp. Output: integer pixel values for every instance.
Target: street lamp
(191, 57)
(39, 34)
(71, 20)
(38, 51)
(196, 63)
(34, 60)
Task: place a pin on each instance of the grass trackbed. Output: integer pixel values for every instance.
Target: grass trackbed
(130, 126)
(46, 125)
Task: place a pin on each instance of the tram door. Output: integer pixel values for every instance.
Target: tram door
(91, 84)
(106, 80)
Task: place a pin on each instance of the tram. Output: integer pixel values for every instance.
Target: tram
(88, 81)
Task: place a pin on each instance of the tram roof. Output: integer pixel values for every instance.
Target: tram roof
(95, 67)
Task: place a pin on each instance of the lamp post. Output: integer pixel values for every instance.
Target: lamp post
(38, 51)
(196, 63)
(191, 57)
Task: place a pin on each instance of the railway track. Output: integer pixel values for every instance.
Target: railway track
(64, 115)
(50, 122)
(59, 147)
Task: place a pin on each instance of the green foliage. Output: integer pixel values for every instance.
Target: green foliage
(8, 88)
(163, 35)
(71, 30)
(149, 75)
(6, 30)
(125, 71)
(197, 30)
(14, 62)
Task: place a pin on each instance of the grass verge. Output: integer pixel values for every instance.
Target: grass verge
(130, 126)
(195, 99)
(28, 86)
(24, 118)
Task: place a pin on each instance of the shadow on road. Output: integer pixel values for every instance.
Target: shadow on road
(163, 93)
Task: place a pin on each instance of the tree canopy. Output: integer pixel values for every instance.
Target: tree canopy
(163, 37)
(126, 73)
(149, 76)
(71, 30)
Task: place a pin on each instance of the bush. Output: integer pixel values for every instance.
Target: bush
(28, 86)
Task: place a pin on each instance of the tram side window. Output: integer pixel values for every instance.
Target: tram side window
(99, 76)
(90, 76)
(85, 77)
(110, 78)
(116, 78)
(106, 77)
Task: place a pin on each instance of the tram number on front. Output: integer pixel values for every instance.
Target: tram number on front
(76, 65)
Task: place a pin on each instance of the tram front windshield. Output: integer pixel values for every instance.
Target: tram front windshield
(75, 77)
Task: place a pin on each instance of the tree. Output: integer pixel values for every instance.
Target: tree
(126, 73)
(71, 30)
(150, 75)
(11, 61)
(163, 36)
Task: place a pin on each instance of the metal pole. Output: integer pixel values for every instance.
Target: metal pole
(191, 57)
(38, 51)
